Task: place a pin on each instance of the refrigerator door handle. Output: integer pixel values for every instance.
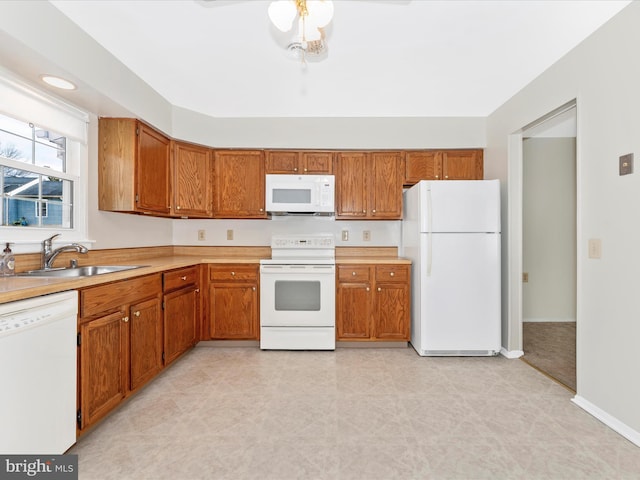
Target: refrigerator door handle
(429, 232)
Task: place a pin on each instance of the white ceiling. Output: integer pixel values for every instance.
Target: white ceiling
(386, 58)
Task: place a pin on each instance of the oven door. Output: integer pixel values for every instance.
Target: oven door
(297, 295)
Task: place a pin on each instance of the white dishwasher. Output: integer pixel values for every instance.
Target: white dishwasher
(38, 374)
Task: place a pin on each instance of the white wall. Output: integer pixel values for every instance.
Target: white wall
(603, 74)
(549, 229)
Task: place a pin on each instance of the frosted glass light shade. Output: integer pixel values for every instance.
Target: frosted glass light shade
(321, 11)
(282, 13)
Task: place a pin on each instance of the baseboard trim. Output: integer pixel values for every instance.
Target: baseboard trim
(609, 420)
(228, 343)
(511, 354)
(549, 320)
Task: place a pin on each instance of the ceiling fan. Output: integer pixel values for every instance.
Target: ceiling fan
(308, 19)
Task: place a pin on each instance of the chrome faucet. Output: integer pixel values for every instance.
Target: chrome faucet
(49, 255)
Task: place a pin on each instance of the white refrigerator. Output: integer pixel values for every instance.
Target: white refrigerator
(451, 232)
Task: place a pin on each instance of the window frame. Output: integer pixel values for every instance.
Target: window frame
(31, 105)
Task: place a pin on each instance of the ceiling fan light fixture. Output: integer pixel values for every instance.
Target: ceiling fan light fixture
(282, 13)
(312, 17)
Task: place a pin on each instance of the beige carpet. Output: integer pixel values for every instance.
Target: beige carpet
(551, 348)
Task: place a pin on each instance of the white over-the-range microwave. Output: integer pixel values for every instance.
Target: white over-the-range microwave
(300, 193)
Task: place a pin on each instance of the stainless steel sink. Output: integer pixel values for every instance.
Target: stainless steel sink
(87, 271)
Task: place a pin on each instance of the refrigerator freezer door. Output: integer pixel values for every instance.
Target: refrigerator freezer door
(459, 301)
(460, 206)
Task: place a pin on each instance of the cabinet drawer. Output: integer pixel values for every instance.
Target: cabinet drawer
(392, 273)
(353, 273)
(100, 299)
(180, 278)
(229, 273)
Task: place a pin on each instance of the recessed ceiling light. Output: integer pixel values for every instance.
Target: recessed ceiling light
(58, 82)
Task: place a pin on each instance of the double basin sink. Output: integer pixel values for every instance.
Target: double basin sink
(88, 271)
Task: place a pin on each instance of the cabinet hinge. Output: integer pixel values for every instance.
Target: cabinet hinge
(163, 304)
(162, 357)
(79, 418)
(137, 198)
(79, 341)
(137, 130)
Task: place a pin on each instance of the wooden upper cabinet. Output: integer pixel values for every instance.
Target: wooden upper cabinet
(192, 174)
(443, 165)
(369, 185)
(299, 162)
(351, 185)
(239, 184)
(385, 187)
(133, 167)
(422, 165)
(462, 165)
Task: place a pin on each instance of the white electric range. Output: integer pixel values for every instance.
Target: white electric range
(297, 293)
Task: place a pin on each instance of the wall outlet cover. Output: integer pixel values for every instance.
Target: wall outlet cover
(626, 164)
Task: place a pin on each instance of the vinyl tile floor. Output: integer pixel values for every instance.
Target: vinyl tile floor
(384, 413)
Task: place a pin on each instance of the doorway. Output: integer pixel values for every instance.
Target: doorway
(549, 245)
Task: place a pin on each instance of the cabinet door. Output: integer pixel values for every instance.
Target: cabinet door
(351, 185)
(385, 188)
(462, 164)
(152, 171)
(282, 161)
(353, 315)
(145, 341)
(192, 181)
(233, 308)
(317, 163)
(180, 311)
(102, 366)
(423, 165)
(391, 311)
(239, 184)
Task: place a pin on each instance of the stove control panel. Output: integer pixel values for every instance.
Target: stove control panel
(324, 241)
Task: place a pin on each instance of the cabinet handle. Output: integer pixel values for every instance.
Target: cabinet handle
(364, 211)
(373, 211)
(306, 170)
(197, 290)
(295, 169)
(177, 207)
(136, 313)
(125, 319)
(392, 274)
(446, 176)
(437, 176)
(353, 273)
(368, 289)
(183, 278)
(379, 289)
(233, 274)
(262, 209)
(254, 289)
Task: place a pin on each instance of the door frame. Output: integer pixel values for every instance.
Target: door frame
(515, 153)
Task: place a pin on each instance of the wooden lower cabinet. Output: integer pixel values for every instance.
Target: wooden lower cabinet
(120, 339)
(233, 302)
(373, 303)
(181, 311)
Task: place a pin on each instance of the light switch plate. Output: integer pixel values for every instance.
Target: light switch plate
(626, 164)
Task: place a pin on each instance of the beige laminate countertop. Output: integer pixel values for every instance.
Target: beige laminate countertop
(18, 288)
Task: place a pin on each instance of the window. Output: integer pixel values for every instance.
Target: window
(43, 165)
(36, 190)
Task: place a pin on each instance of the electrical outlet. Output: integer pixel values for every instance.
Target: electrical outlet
(202, 235)
(366, 235)
(525, 277)
(345, 235)
(595, 248)
(230, 234)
